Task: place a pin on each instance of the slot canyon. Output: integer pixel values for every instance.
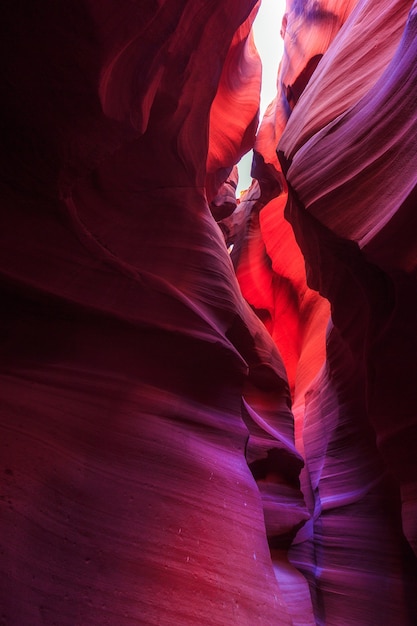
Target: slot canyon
(208, 400)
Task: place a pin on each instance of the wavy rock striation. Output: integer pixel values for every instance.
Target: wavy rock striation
(347, 153)
(171, 454)
(127, 350)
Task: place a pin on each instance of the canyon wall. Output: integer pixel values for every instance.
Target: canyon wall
(191, 436)
(336, 157)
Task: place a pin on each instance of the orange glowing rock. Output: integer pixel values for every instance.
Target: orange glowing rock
(231, 135)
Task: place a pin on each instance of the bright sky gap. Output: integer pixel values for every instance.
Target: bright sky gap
(266, 29)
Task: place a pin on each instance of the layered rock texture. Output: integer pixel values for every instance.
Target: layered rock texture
(190, 436)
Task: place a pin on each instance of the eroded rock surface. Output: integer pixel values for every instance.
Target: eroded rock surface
(345, 138)
(189, 436)
(127, 496)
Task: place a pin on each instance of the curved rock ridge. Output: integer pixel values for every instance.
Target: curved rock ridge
(308, 28)
(361, 51)
(378, 137)
(351, 484)
(231, 135)
(271, 268)
(136, 383)
(347, 153)
(359, 422)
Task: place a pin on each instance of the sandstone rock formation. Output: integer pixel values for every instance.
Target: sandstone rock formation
(348, 154)
(189, 436)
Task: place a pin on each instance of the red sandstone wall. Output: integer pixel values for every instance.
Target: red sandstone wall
(154, 426)
(346, 144)
(126, 495)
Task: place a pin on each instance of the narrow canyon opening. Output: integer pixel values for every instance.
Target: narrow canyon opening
(269, 43)
(160, 338)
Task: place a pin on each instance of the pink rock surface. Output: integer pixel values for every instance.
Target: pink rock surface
(359, 427)
(231, 135)
(126, 494)
(353, 64)
(187, 436)
(347, 151)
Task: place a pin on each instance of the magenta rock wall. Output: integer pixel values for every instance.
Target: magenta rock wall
(190, 436)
